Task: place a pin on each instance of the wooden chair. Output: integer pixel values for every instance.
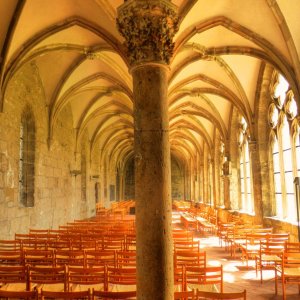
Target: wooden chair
(13, 278)
(208, 278)
(125, 259)
(292, 247)
(185, 295)
(8, 245)
(83, 295)
(288, 272)
(182, 245)
(201, 295)
(251, 248)
(113, 295)
(183, 235)
(96, 258)
(269, 256)
(28, 295)
(69, 257)
(39, 257)
(121, 279)
(11, 257)
(47, 278)
(179, 279)
(80, 279)
(189, 258)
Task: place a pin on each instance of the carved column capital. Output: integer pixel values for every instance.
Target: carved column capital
(148, 28)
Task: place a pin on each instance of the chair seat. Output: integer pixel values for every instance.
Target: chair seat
(16, 287)
(54, 287)
(292, 271)
(202, 287)
(274, 258)
(84, 287)
(122, 287)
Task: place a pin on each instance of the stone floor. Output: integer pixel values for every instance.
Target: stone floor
(237, 276)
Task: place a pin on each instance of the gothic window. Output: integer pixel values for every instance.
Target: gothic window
(27, 159)
(285, 148)
(245, 169)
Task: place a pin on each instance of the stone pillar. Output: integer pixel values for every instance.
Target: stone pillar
(257, 186)
(148, 28)
(227, 177)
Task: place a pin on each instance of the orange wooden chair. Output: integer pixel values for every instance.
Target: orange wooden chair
(96, 258)
(11, 257)
(14, 278)
(186, 258)
(125, 259)
(8, 245)
(69, 257)
(39, 257)
(121, 279)
(202, 295)
(183, 245)
(208, 278)
(47, 278)
(269, 256)
(288, 272)
(80, 279)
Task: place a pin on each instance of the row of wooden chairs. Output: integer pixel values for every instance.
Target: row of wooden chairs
(82, 295)
(88, 295)
(64, 278)
(96, 242)
(20, 278)
(202, 295)
(79, 258)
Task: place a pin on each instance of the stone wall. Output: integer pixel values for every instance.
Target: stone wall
(56, 191)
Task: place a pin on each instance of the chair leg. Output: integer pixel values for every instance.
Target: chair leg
(283, 288)
(276, 282)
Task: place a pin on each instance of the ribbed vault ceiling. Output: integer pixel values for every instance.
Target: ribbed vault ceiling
(220, 48)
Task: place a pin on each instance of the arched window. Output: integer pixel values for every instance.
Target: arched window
(245, 169)
(285, 150)
(27, 158)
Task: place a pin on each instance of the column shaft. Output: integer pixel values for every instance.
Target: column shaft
(152, 184)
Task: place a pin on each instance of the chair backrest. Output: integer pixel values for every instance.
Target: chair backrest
(184, 295)
(292, 247)
(100, 258)
(183, 245)
(271, 247)
(8, 245)
(211, 276)
(28, 295)
(212, 295)
(87, 276)
(82, 295)
(121, 276)
(11, 257)
(69, 257)
(47, 275)
(187, 258)
(13, 274)
(125, 259)
(39, 257)
(114, 295)
(291, 260)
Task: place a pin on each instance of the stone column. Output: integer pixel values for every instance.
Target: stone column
(148, 28)
(257, 186)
